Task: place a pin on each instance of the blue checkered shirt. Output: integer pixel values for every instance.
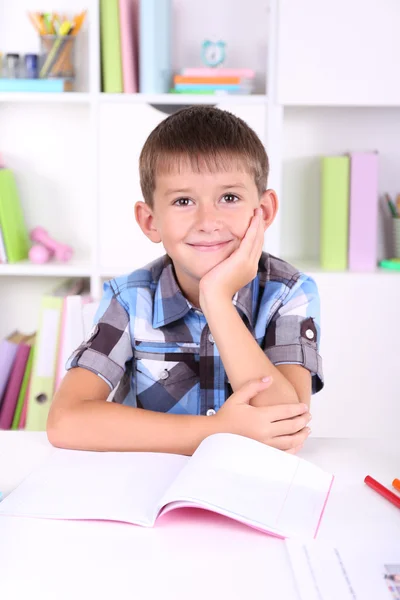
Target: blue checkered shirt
(155, 350)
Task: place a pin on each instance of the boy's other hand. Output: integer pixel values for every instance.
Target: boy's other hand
(240, 267)
(283, 426)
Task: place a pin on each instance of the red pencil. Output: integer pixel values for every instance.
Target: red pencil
(378, 487)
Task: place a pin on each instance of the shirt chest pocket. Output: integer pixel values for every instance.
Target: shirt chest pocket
(167, 385)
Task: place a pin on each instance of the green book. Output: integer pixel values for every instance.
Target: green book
(335, 182)
(111, 58)
(12, 224)
(22, 393)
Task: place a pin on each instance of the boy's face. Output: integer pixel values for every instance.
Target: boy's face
(201, 218)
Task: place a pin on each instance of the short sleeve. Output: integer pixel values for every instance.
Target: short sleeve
(108, 348)
(293, 334)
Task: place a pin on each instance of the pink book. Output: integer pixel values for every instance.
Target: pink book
(217, 72)
(14, 386)
(234, 476)
(363, 225)
(128, 11)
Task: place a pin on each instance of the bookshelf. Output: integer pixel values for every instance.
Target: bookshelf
(75, 159)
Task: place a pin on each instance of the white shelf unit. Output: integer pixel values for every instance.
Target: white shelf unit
(75, 157)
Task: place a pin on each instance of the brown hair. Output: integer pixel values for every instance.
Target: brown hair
(207, 138)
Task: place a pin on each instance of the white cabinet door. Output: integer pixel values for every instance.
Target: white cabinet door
(339, 52)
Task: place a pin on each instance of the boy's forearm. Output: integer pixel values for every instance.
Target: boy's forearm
(105, 426)
(242, 357)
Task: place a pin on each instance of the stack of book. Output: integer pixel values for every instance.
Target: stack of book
(214, 81)
(32, 366)
(14, 237)
(349, 212)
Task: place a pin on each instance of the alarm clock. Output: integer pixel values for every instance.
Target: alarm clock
(213, 53)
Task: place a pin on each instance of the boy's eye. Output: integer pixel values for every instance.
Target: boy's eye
(229, 199)
(182, 202)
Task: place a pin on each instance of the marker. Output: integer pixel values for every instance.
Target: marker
(380, 489)
(396, 484)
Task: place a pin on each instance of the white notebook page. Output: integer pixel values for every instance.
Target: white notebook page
(73, 484)
(257, 484)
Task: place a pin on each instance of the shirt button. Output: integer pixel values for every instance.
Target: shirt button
(310, 334)
(163, 374)
(210, 338)
(210, 412)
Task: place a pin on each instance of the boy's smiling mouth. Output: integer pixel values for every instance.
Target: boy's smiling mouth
(209, 246)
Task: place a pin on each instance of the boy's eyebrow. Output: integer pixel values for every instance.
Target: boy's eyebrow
(171, 191)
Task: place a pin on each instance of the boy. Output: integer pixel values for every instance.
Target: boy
(216, 336)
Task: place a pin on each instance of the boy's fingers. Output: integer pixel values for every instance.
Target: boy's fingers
(248, 241)
(289, 442)
(294, 450)
(279, 412)
(251, 389)
(290, 426)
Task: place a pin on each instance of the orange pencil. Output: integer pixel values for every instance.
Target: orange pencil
(396, 484)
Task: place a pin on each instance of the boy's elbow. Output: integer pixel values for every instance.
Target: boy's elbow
(58, 428)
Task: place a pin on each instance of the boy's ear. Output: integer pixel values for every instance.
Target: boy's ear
(145, 218)
(269, 206)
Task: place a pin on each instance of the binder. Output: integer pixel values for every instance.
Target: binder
(335, 171)
(44, 367)
(12, 224)
(128, 16)
(155, 69)
(111, 61)
(363, 227)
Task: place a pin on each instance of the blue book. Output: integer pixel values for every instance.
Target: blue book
(35, 85)
(208, 86)
(155, 46)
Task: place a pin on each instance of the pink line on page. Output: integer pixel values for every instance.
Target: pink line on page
(323, 508)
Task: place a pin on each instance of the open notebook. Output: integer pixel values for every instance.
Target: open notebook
(234, 476)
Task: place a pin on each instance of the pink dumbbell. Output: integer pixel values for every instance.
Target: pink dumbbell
(61, 251)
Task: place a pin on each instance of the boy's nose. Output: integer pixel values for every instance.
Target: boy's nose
(208, 219)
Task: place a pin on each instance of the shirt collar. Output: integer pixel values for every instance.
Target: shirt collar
(170, 304)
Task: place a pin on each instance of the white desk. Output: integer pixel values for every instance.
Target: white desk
(64, 559)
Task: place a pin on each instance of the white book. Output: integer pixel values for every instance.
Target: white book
(265, 488)
(3, 253)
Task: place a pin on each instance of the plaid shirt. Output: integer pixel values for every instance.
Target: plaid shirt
(156, 351)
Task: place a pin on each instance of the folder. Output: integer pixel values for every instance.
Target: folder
(111, 60)
(45, 356)
(128, 21)
(11, 394)
(335, 171)
(155, 70)
(12, 224)
(363, 226)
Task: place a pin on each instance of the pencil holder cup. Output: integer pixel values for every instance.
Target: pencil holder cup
(57, 56)
(396, 237)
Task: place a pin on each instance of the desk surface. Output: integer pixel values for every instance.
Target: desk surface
(222, 559)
